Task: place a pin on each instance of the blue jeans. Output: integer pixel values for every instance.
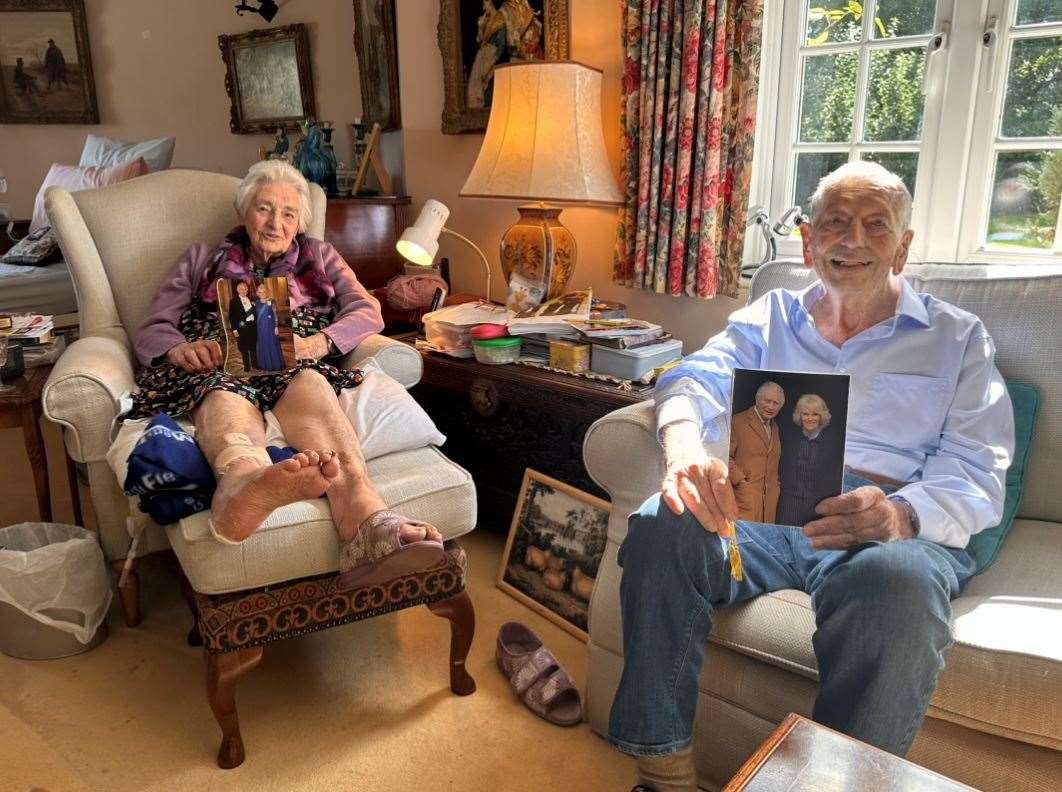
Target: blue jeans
(882, 616)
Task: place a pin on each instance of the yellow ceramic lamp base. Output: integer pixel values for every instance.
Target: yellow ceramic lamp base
(537, 255)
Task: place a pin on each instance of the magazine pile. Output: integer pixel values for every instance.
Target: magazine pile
(35, 333)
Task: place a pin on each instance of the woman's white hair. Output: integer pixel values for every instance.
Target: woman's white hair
(874, 174)
(814, 402)
(276, 171)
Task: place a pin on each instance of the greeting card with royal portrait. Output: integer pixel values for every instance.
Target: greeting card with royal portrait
(256, 323)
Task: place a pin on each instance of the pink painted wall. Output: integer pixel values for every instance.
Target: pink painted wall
(437, 165)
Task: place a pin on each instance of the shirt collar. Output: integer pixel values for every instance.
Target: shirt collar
(909, 304)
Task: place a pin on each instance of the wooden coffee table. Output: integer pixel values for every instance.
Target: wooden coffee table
(22, 408)
(802, 756)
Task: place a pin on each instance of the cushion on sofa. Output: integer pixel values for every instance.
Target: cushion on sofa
(34, 250)
(77, 177)
(1002, 674)
(100, 150)
(299, 540)
(985, 545)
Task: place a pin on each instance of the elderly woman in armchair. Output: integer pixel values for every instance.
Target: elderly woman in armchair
(177, 345)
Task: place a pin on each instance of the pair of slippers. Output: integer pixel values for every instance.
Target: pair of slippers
(536, 677)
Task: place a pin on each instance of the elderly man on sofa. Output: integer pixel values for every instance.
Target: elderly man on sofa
(930, 437)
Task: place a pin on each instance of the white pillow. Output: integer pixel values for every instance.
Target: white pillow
(99, 150)
(385, 418)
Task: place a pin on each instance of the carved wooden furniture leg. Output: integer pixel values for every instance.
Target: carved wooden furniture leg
(34, 441)
(129, 594)
(462, 618)
(223, 672)
(194, 638)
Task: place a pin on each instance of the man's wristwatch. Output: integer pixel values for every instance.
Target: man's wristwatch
(912, 515)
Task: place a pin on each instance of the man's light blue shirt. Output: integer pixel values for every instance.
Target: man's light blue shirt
(926, 403)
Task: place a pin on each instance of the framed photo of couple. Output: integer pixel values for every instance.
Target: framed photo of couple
(256, 320)
(787, 437)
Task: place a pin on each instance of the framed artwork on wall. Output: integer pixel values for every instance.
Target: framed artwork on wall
(268, 79)
(555, 545)
(376, 44)
(477, 35)
(45, 63)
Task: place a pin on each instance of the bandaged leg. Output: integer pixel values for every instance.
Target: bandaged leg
(237, 445)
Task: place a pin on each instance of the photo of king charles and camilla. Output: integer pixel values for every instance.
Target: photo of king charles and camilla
(787, 434)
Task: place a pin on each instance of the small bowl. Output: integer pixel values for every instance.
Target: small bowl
(489, 330)
(496, 351)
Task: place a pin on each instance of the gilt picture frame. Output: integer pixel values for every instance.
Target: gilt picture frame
(477, 35)
(268, 79)
(556, 542)
(376, 45)
(46, 63)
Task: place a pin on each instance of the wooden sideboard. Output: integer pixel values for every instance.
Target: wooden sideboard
(364, 231)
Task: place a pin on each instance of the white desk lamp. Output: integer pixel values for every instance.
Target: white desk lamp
(420, 242)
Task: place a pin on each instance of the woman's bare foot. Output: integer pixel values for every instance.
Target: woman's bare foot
(247, 493)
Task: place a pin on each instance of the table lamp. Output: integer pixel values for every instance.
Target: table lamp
(543, 143)
(420, 242)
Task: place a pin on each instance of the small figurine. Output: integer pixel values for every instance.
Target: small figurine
(280, 145)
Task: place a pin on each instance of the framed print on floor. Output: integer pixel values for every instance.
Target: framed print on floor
(554, 549)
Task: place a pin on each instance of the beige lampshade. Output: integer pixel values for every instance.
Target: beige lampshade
(544, 139)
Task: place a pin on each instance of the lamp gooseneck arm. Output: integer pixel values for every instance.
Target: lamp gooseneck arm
(475, 247)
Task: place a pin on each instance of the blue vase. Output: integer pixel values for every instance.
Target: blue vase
(313, 162)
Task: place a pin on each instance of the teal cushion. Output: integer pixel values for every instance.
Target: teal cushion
(985, 545)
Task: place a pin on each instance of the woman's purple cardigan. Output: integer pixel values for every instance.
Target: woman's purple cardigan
(357, 318)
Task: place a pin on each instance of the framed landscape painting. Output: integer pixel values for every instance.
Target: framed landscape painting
(268, 79)
(475, 36)
(45, 63)
(555, 545)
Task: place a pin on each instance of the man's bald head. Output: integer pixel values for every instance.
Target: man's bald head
(872, 175)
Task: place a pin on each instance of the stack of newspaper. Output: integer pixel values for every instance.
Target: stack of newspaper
(620, 333)
(552, 317)
(35, 334)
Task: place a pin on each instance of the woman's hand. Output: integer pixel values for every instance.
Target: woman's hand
(196, 357)
(312, 347)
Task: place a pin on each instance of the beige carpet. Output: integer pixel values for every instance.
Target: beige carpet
(361, 707)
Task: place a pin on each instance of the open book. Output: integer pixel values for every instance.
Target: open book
(256, 320)
(787, 435)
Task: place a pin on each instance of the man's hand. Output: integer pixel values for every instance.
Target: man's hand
(312, 347)
(862, 515)
(696, 481)
(196, 357)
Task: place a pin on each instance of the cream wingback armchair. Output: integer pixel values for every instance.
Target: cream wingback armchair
(119, 242)
(995, 721)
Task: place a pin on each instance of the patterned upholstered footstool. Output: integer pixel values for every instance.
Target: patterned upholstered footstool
(235, 627)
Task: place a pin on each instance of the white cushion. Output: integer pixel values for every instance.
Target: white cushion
(100, 150)
(300, 540)
(385, 418)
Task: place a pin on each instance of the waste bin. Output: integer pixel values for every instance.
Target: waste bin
(54, 591)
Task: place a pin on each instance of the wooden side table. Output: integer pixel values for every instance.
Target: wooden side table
(22, 408)
(802, 756)
(499, 420)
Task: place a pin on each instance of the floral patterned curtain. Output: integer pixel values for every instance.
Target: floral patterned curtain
(691, 73)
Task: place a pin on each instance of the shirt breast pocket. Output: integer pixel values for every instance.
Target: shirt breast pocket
(904, 410)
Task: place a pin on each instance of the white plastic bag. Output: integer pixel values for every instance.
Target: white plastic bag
(56, 575)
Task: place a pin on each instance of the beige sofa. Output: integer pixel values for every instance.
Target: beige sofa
(120, 241)
(995, 721)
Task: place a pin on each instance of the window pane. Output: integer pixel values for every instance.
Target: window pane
(1031, 12)
(904, 18)
(831, 21)
(894, 95)
(810, 169)
(1025, 197)
(1034, 89)
(829, 98)
(903, 163)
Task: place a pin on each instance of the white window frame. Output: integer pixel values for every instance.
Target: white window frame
(961, 116)
(986, 139)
